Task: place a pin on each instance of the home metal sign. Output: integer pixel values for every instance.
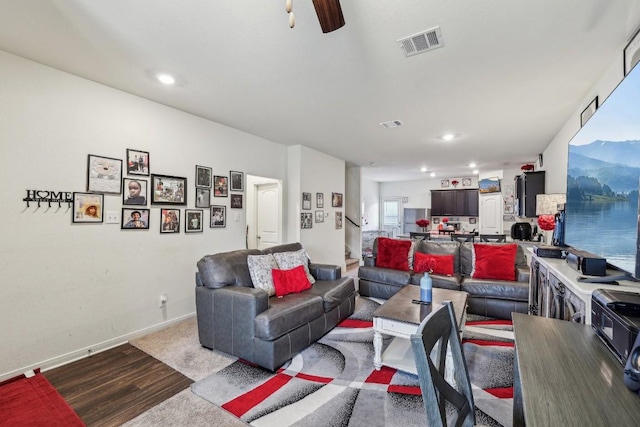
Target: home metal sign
(45, 196)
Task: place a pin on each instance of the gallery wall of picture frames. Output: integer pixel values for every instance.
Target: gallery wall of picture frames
(140, 191)
(318, 216)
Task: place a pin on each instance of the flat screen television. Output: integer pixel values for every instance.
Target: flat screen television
(603, 176)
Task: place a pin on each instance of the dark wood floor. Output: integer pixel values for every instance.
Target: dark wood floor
(115, 386)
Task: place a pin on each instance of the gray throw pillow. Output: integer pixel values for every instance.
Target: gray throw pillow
(260, 267)
(289, 260)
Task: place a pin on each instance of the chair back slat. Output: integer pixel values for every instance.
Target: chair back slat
(440, 330)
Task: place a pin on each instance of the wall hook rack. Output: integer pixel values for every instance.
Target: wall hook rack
(46, 196)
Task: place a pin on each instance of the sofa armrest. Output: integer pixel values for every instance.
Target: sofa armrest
(522, 274)
(370, 261)
(325, 271)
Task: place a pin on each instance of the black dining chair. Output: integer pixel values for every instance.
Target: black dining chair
(463, 237)
(439, 330)
(419, 235)
(497, 238)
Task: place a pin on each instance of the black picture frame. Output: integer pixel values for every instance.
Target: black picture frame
(236, 201)
(319, 200)
(137, 162)
(237, 181)
(203, 176)
(631, 53)
(218, 216)
(220, 186)
(129, 195)
(104, 174)
(88, 208)
(338, 220)
(306, 201)
(336, 200)
(169, 220)
(306, 220)
(193, 220)
(203, 197)
(168, 190)
(588, 112)
(130, 222)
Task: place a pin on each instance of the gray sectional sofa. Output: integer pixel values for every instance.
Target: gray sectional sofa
(493, 298)
(236, 318)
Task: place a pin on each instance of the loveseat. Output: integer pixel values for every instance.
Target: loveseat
(488, 297)
(237, 318)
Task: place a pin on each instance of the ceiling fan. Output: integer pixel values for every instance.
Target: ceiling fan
(329, 14)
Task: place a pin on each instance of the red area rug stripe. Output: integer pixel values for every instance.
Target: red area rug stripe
(314, 378)
(489, 343)
(490, 322)
(353, 323)
(34, 402)
(405, 389)
(243, 403)
(383, 376)
(501, 392)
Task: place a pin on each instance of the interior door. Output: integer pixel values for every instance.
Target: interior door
(267, 215)
(491, 213)
(391, 214)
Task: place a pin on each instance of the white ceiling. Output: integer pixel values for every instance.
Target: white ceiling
(511, 73)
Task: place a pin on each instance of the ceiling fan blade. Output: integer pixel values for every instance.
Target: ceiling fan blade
(329, 14)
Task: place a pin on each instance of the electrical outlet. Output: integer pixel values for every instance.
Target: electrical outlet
(163, 300)
(112, 217)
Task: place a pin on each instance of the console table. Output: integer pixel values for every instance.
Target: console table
(565, 376)
(555, 292)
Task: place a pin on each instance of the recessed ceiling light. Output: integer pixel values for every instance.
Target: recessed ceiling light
(166, 79)
(432, 174)
(448, 136)
(472, 165)
(423, 169)
(372, 164)
(475, 171)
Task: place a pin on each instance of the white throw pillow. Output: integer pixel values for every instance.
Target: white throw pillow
(289, 260)
(260, 267)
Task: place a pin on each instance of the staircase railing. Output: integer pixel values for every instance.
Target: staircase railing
(351, 221)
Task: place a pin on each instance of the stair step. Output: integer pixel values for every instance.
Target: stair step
(352, 261)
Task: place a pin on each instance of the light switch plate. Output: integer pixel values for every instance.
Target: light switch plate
(112, 217)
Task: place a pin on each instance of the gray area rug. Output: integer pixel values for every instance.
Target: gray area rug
(333, 382)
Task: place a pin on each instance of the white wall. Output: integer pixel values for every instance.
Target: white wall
(370, 198)
(353, 209)
(311, 171)
(67, 288)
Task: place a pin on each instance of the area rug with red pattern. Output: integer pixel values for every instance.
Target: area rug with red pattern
(333, 382)
(30, 400)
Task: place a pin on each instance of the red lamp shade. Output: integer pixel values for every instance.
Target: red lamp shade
(547, 222)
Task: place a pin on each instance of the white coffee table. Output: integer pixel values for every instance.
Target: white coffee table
(400, 318)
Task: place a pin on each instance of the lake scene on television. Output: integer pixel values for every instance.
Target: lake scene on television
(603, 177)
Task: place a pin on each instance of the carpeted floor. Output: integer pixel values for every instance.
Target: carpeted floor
(178, 347)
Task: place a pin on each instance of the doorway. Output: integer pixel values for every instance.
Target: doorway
(391, 214)
(264, 212)
(491, 213)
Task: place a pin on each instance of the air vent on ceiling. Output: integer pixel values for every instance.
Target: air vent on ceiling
(422, 42)
(391, 124)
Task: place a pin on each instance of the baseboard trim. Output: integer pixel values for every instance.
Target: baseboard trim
(81, 353)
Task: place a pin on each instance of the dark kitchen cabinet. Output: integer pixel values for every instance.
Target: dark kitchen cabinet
(454, 202)
(528, 186)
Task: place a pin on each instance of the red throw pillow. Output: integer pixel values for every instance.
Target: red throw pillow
(495, 262)
(437, 264)
(290, 281)
(393, 253)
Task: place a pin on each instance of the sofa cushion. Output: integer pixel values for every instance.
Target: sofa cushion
(384, 275)
(289, 260)
(518, 291)
(438, 264)
(494, 261)
(226, 269)
(393, 253)
(286, 314)
(432, 247)
(290, 281)
(333, 292)
(439, 281)
(260, 268)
